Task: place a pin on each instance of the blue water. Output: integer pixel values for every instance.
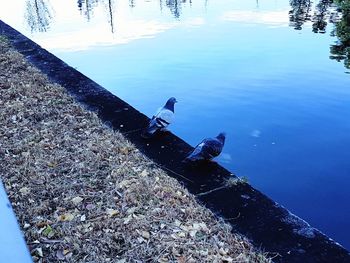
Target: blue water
(234, 66)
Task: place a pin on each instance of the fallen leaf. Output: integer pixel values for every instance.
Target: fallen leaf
(60, 255)
(66, 217)
(48, 231)
(77, 200)
(177, 222)
(181, 234)
(111, 212)
(193, 233)
(163, 260)
(144, 173)
(145, 234)
(39, 252)
(24, 190)
(69, 255)
(52, 164)
(43, 223)
(227, 259)
(127, 219)
(90, 206)
(41, 230)
(131, 210)
(125, 150)
(204, 227)
(223, 251)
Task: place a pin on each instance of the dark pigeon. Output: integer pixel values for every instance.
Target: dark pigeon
(161, 119)
(207, 149)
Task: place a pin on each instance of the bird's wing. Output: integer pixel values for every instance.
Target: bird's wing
(163, 118)
(166, 115)
(211, 148)
(157, 112)
(160, 121)
(196, 154)
(206, 150)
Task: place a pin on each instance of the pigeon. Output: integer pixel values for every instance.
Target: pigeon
(161, 119)
(207, 149)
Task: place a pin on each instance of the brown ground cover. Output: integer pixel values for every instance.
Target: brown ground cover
(83, 193)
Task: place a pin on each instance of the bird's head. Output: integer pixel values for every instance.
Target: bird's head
(170, 104)
(172, 100)
(221, 137)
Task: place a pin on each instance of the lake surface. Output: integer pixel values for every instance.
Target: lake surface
(258, 70)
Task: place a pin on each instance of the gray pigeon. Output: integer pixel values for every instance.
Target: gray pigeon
(163, 117)
(207, 149)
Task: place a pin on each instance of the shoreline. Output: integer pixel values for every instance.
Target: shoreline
(263, 221)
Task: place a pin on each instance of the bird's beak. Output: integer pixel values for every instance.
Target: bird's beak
(175, 101)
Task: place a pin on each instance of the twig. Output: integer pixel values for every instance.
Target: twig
(131, 131)
(210, 191)
(50, 241)
(169, 170)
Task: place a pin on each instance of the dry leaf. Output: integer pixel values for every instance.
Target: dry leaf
(52, 164)
(60, 255)
(181, 234)
(48, 231)
(24, 190)
(144, 173)
(111, 212)
(77, 200)
(90, 206)
(39, 252)
(177, 222)
(127, 219)
(193, 233)
(66, 217)
(145, 234)
(227, 259)
(131, 210)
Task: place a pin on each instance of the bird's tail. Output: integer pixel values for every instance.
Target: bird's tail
(146, 135)
(148, 132)
(191, 158)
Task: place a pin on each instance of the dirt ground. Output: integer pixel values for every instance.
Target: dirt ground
(83, 193)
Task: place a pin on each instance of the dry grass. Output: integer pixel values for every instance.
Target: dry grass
(83, 193)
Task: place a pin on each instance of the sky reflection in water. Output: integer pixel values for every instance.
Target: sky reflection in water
(259, 70)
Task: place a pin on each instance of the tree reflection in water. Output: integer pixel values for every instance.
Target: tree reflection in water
(335, 12)
(175, 6)
(38, 14)
(341, 50)
(300, 13)
(322, 13)
(86, 7)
